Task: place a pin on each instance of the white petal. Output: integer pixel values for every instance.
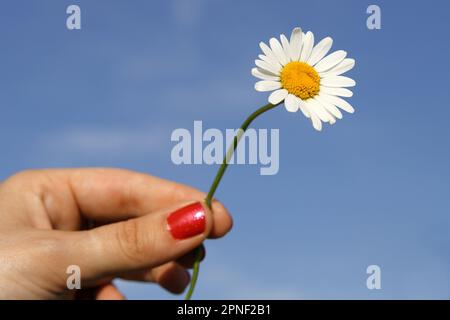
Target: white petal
(266, 85)
(291, 103)
(344, 66)
(320, 50)
(331, 108)
(317, 108)
(270, 60)
(268, 67)
(304, 108)
(337, 82)
(278, 96)
(261, 74)
(278, 51)
(308, 43)
(267, 51)
(338, 102)
(296, 43)
(341, 92)
(332, 120)
(286, 46)
(265, 48)
(317, 124)
(330, 61)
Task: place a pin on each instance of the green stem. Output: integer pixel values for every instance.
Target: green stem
(218, 178)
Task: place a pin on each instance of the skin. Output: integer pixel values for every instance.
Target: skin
(44, 216)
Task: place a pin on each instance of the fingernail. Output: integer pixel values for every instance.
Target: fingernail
(187, 222)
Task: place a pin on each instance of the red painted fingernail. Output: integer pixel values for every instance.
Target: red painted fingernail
(187, 222)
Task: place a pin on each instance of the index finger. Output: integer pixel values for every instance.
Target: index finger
(109, 195)
(105, 193)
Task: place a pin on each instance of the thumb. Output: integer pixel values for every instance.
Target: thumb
(143, 242)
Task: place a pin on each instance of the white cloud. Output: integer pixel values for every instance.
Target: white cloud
(103, 140)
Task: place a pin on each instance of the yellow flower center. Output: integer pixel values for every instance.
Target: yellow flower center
(300, 79)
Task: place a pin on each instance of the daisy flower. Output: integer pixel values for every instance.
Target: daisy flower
(302, 76)
(305, 77)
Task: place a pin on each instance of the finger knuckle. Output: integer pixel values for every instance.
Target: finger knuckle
(133, 242)
(30, 180)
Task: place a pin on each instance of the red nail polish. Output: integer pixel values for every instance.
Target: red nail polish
(187, 222)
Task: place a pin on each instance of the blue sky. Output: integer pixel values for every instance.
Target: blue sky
(372, 189)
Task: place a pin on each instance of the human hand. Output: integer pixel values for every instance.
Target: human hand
(43, 218)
